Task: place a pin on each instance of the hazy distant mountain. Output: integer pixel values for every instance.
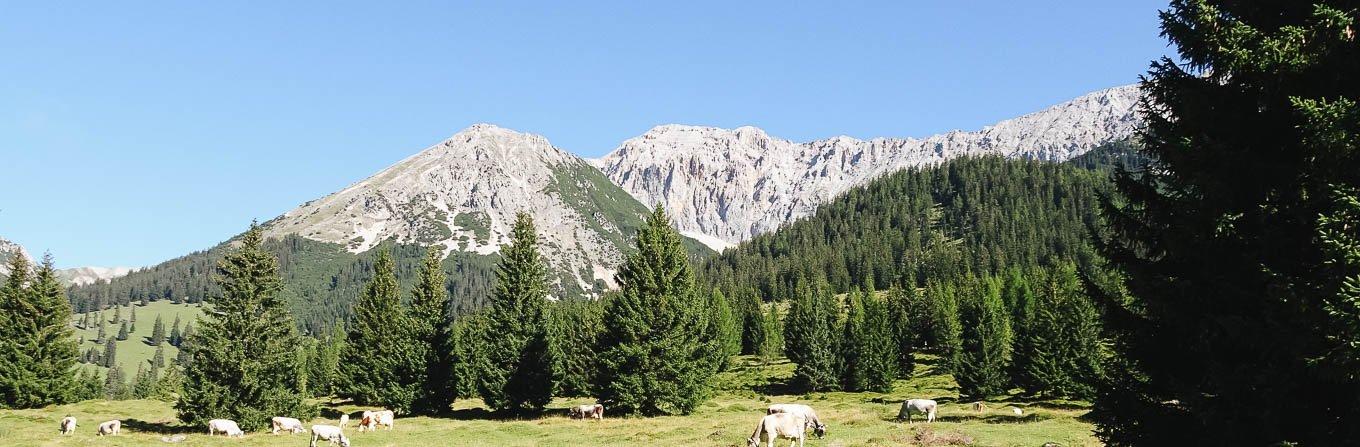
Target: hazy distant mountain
(726, 185)
(71, 276)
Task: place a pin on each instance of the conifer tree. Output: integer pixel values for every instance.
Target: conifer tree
(117, 313)
(123, 331)
(158, 359)
(37, 350)
(381, 367)
(576, 324)
(432, 329)
(1064, 342)
(144, 383)
(103, 331)
(852, 343)
(175, 335)
(810, 340)
(984, 362)
(158, 332)
(878, 347)
(774, 338)
(133, 317)
(323, 365)
(517, 371)
(1238, 294)
(245, 353)
(900, 316)
(186, 342)
(110, 356)
(1019, 296)
(654, 355)
(88, 386)
(752, 322)
(945, 327)
(115, 384)
(726, 329)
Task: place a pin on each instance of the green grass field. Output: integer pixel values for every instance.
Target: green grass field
(853, 419)
(136, 350)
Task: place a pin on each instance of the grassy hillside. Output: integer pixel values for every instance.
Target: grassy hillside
(854, 419)
(137, 348)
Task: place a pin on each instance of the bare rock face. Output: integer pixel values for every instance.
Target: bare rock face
(464, 193)
(723, 186)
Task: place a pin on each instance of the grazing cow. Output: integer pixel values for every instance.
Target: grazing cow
(344, 420)
(110, 428)
(367, 421)
(979, 406)
(329, 433)
(384, 418)
(1018, 412)
(779, 425)
(225, 427)
(68, 425)
(282, 423)
(923, 406)
(595, 411)
(818, 428)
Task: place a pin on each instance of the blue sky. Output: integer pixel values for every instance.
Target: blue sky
(135, 132)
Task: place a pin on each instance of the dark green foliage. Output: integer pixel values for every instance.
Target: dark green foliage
(850, 360)
(1123, 154)
(381, 366)
(726, 329)
(158, 359)
(944, 331)
(323, 363)
(175, 336)
(747, 306)
(654, 354)
(123, 331)
(575, 324)
(811, 339)
(37, 349)
(186, 341)
(115, 384)
(983, 365)
(144, 383)
(468, 353)
(954, 221)
(110, 356)
(877, 346)
(245, 353)
(1019, 297)
(88, 385)
(516, 372)
(158, 332)
(902, 306)
(103, 330)
(1062, 351)
(1241, 325)
(432, 329)
(774, 335)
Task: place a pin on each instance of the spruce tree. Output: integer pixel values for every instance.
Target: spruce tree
(175, 335)
(158, 359)
(244, 365)
(158, 332)
(88, 386)
(774, 330)
(878, 346)
(1238, 294)
(103, 331)
(1019, 296)
(517, 371)
(726, 329)
(117, 313)
(432, 329)
(381, 366)
(38, 352)
(810, 340)
(110, 356)
(852, 372)
(576, 324)
(654, 355)
(144, 383)
(900, 315)
(323, 365)
(1064, 342)
(945, 327)
(115, 384)
(123, 331)
(752, 323)
(186, 342)
(984, 362)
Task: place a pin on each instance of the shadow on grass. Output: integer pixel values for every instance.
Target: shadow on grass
(160, 428)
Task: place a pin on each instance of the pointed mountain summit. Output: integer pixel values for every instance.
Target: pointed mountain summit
(463, 194)
(724, 186)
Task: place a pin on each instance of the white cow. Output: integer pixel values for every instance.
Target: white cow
(225, 427)
(593, 411)
(374, 419)
(779, 425)
(922, 406)
(68, 425)
(282, 423)
(818, 428)
(330, 433)
(368, 421)
(110, 428)
(344, 420)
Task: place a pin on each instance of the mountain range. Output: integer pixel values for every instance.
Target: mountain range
(721, 187)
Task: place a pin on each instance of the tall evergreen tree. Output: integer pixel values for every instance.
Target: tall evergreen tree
(878, 346)
(517, 371)
(103, 331)
(774, 338)
(110, 356)
(810, 340)
(1020, 299)
(174, 337)
(900, 303)
(117, 313)
(432, 327)
(1238, 294)
(158, 332)
(852, 367)
(144, 383)
(158, 359)
(654, 355)
(984, 363)
(381, 366)
(115, 384)
(1064, 358)
(323, 365)
(245, 352)
(123, 331)
(38, 352)
(576, 325)
(726, 329)
(946, 331)
(752, 322)
(186, 343)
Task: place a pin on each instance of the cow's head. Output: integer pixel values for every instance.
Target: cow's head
(752, 442)
(819, 429)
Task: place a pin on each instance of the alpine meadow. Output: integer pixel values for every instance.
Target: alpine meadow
(1165, 250)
